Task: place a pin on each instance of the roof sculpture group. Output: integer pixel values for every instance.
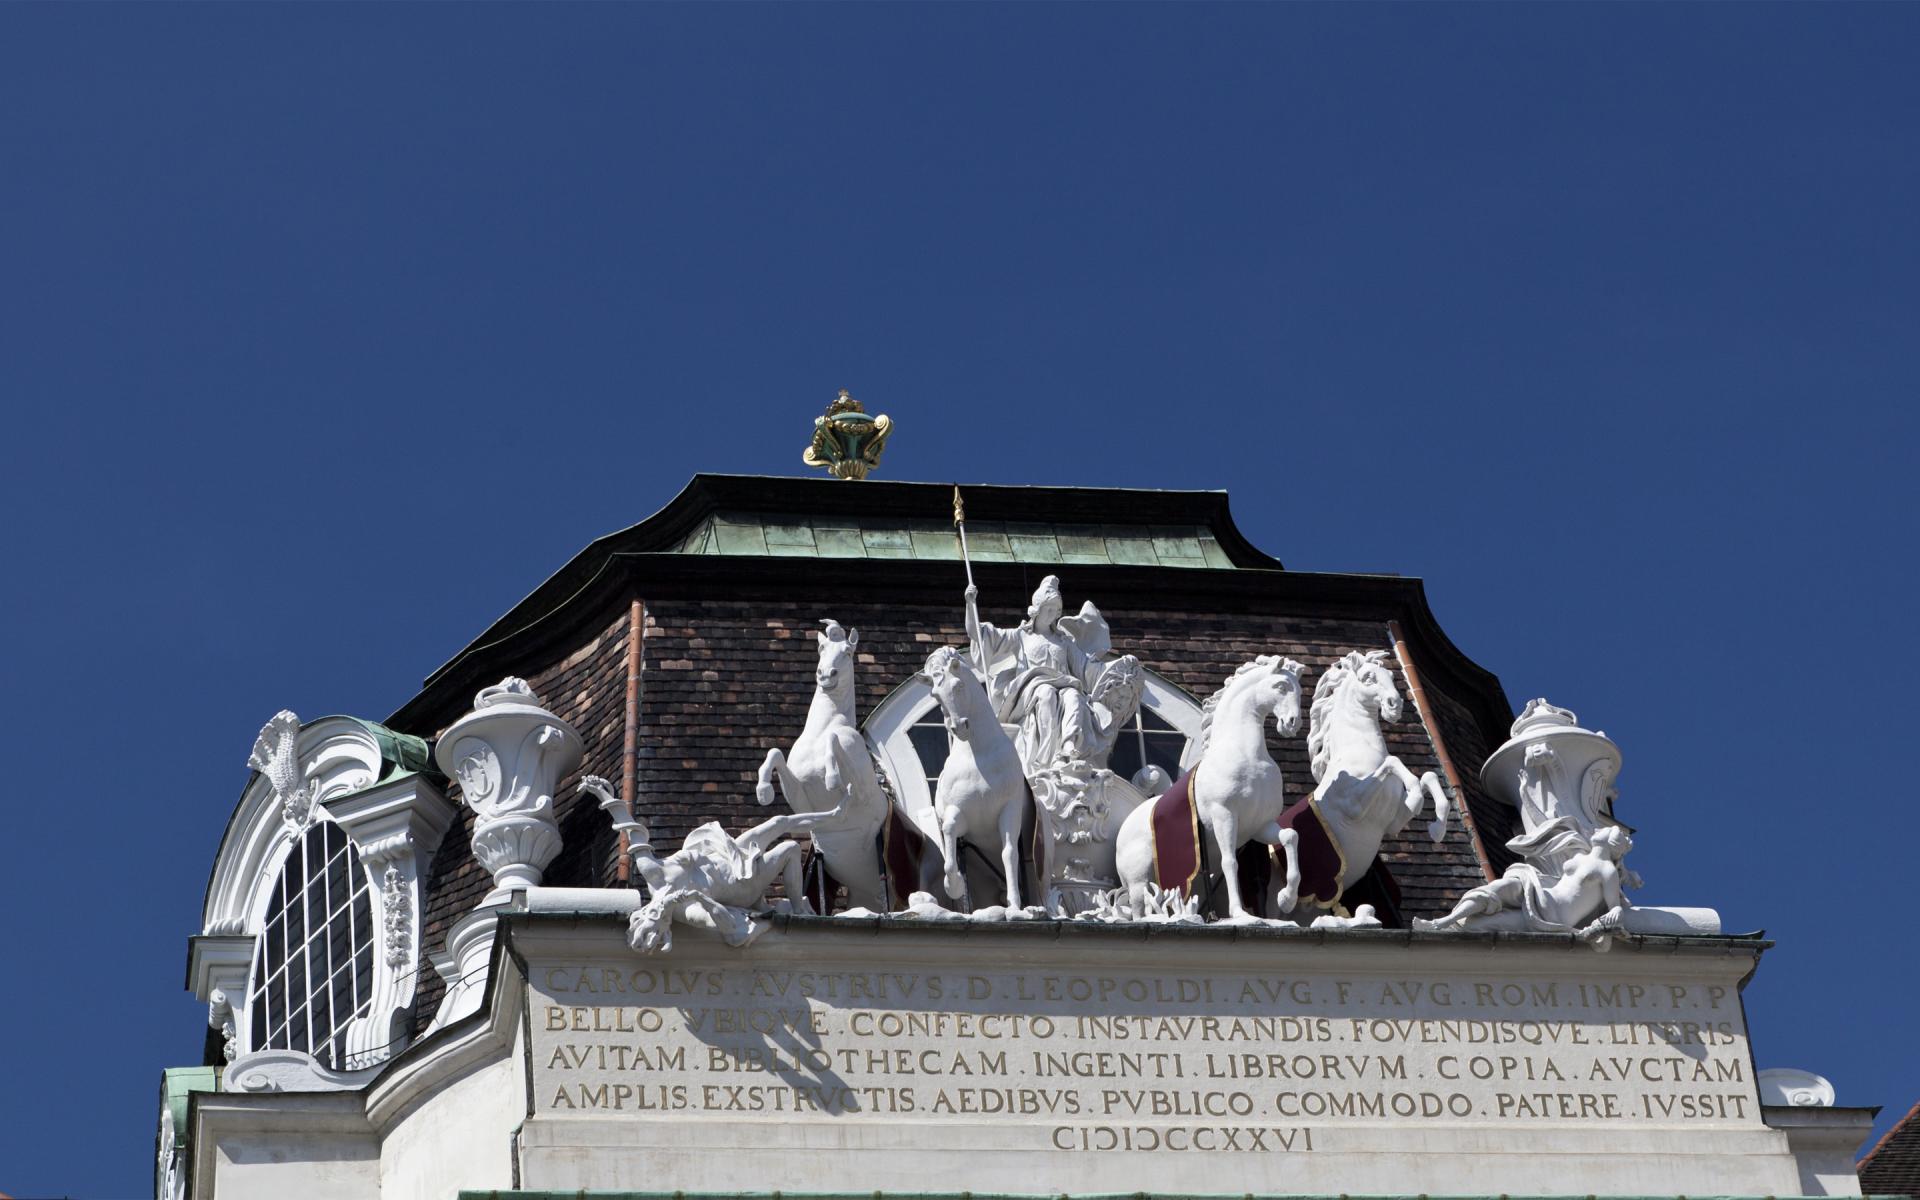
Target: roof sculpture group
(1032, 713)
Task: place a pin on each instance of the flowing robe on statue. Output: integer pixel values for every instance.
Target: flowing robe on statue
(1526, 887)
(1042, 682)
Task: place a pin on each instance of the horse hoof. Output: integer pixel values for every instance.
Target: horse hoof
(1287, 899)
(763, 794)
(956, 886)
(1437, 830)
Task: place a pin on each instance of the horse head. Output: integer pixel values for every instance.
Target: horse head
(833, 674)
(1273, 685)
(1361, 685)
(1270, 684)
(954, 683)
(1369, 681)
(1286, 713)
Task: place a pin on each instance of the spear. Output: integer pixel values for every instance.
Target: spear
(960, 523)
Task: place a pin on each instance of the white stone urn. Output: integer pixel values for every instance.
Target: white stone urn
(509, 755)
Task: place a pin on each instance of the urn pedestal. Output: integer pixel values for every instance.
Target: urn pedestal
(508, 756)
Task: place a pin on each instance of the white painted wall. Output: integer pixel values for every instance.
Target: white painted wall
(267, 1164)
(459, 1137)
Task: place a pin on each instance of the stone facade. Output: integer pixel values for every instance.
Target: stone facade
(722, 595)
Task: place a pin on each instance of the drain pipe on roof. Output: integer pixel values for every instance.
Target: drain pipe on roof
(630, 749)
(1420, 706)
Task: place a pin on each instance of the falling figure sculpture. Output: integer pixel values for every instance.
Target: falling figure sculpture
(714, 879)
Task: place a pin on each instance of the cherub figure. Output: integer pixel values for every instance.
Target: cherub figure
(715, 879)
(1585, 898)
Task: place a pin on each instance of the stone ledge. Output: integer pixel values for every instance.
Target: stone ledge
(1140, 931)
(620, 1195)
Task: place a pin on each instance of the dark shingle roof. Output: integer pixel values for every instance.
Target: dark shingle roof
(1892, 1167)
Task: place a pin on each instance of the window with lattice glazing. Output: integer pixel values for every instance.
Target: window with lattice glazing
(313, 966)
(1147, 738)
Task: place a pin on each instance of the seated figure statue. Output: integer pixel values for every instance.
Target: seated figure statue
(1585, 898)
(1055, 677)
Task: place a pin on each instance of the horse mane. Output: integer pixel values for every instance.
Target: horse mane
(942, 660)
(1211, 706)
(1324, 694)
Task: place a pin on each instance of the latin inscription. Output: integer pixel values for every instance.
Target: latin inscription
(1117, 1062)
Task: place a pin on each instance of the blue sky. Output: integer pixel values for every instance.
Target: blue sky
(326, 333)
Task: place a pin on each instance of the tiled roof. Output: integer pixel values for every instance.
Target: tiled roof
(1892, 1167)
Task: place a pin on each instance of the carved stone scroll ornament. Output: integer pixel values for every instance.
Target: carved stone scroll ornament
(276, 756)
(714, 881)
(220, 1016)
(395, 826)
(397, 912)
(1079, 808)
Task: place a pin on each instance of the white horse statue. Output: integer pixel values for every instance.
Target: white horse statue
(1234, 790)
(829, 771)
(1363, 794)
(981, 798)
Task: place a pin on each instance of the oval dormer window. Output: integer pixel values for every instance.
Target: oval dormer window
(313, 965)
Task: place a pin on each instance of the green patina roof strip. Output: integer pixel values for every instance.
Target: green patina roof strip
(176, 1084)
(962, 1195)
(406, 754)
(789, 536)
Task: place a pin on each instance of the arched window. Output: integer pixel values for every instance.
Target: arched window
(311, 930)
(909, 738)
(313, 964)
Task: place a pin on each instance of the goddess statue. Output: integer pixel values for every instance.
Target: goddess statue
(1055, 677)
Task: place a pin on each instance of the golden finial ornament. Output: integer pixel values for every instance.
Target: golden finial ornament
(847, 442)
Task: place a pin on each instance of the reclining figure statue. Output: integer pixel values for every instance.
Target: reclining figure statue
(714, 879)
(1584, 899)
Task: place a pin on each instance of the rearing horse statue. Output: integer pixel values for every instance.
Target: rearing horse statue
(830, 771)
(1362, 794)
